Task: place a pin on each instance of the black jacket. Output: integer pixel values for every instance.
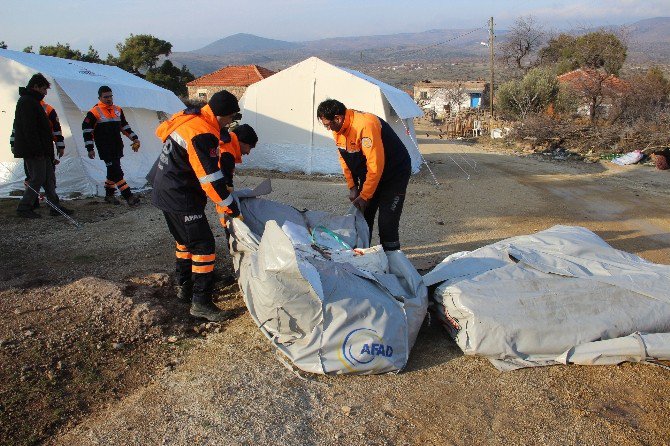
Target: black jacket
(33, 137)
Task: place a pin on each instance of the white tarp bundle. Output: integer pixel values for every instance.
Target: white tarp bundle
(282, 110)
(562, 295)
(326, 314)
(74, 90)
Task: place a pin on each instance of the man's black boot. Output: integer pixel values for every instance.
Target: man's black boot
(184, 292)
(209, 311)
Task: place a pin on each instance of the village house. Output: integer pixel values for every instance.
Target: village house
(445, 98)
(598, 89)
(234, 78)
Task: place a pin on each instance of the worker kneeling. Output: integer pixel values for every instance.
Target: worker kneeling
(185, 174)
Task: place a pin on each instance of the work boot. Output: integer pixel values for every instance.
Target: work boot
(111, 199)
(133, 200)
(184, 292)
(209, 311)
(53, 212)
(28, 214)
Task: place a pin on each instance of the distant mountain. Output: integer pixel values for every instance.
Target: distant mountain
(244, 43)
(649, 40)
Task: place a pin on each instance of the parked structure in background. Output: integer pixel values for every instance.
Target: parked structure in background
(442, 99)
(597, 89)
(234, 78)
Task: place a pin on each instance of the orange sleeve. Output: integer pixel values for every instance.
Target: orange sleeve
(373, 149)
(345, 169)
(203, 156)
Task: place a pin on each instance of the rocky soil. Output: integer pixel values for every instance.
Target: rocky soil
(95, 350)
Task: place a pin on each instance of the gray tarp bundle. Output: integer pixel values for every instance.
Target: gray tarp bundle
(325, 316)
(559, 296)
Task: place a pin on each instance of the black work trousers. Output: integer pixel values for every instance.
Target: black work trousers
(195, 253)
(388, 200)
(115, 179)
(40, 173)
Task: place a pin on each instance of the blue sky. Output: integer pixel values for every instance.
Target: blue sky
(190, 24)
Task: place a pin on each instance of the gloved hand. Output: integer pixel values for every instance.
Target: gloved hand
(91, 154)
(136, 145)
(360, 203)
(353, 193)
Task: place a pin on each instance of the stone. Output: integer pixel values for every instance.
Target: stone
(346, 410)
(172, 339)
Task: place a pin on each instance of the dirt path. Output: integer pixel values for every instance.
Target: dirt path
(229, 388)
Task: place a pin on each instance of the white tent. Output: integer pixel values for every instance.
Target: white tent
(74, 90)
(282, 109)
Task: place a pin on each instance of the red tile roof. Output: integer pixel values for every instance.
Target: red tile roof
(233, 75)
(584, 79)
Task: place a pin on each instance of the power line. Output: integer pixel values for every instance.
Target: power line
(418, 50)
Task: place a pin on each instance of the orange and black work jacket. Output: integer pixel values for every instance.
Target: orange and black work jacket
(56, 130)
(229, 155)
(187, 170)
(371, 153)
(103, 125)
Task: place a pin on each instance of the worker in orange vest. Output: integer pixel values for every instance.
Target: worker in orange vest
(239, 141)
(184, 176)
(103, 125)
(375, 163)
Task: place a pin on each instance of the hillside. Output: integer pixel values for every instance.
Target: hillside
(648, 40)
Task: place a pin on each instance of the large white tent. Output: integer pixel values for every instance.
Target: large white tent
(74, 90)
(282, 109)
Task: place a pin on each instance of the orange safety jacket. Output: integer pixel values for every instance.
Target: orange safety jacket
(103, 126)
(230, 154)
(187, 170)
(370, 152)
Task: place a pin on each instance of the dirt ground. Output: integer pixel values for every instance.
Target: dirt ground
(95, 351)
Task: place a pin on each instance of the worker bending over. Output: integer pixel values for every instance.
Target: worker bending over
(186, 173)
(375, 163)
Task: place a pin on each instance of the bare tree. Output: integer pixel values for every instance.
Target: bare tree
(522, 42)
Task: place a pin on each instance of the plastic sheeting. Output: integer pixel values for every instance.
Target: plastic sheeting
(74, 90)
(325, 316)
(559, 296)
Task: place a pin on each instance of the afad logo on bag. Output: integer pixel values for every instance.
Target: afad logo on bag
(361, 347)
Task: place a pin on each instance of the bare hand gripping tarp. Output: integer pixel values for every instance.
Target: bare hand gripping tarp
(560, 296)
(325, 316)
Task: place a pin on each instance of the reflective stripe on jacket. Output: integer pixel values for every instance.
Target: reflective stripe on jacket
(103, 126)
(187, 170)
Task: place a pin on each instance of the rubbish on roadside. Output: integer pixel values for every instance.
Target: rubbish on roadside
(629, 158)
(327, 301)
(662, 159)
(497, 133)
(559, 296)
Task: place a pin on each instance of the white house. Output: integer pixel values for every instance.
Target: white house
(444, 98)
(282, 109)
(74, 90)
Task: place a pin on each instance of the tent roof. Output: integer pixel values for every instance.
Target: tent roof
(81, 80)
(402, 103)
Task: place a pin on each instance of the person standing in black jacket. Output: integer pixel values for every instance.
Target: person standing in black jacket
(33, 141)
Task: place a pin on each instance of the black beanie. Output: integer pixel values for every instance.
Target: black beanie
(246, 134)
(223, 103)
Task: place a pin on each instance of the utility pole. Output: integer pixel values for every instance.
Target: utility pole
(492, 60)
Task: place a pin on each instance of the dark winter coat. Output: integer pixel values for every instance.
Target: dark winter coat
(33, 137)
